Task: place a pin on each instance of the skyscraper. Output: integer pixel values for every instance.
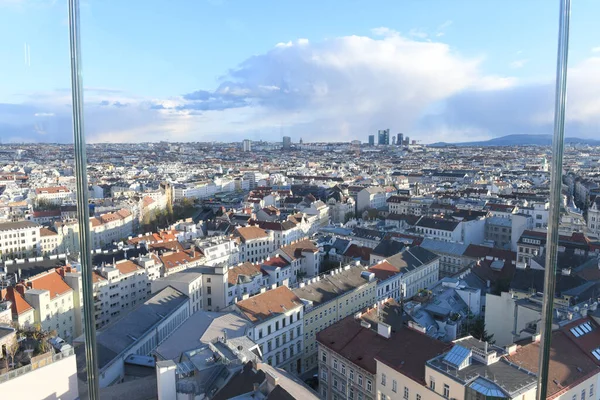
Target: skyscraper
(383, 138)
(287, 142)
(407, 141)
(246, 145)
(371, 140)
(400, 140)
(393, 140)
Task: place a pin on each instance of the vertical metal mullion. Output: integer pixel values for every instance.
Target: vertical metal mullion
(555, 197)
(82, 202)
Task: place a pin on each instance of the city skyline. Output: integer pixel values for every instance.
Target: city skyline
(464, 71)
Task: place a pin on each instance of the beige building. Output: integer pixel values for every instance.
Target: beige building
(44, 299)
(475, 370)
(54, 194)
(574, 371)
(362, 358)
(328, 299)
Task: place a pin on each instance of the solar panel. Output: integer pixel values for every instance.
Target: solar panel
(574, 332)
(596, 353)
(586, 327)
(580, 331)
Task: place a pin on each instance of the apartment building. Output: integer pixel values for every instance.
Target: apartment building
(405, 273)
(371, 197)
(328, 299)
(19, 239)
(255, 243)
(180, 259)
(219, 250)
(304, 258)
(45, 299)
(277, 317)
(54, 194)
(358, 357)
(284, 232)
(593, 217)
(188, 282)
(50, 241)
(245, 279)
(104, 229)
(441, 229)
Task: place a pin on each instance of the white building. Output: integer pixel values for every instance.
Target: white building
(405, 273)
(54, 194)
(255, 243)
(219, 250)
(19, 239)
(371, 197)
(277, 317)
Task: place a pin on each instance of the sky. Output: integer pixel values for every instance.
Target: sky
(326, 70)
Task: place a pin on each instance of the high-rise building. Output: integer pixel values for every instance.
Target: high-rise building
(383, 138)
(371, 140)
(400, 140)
(393, 140)
(407, 141)
(287, 142)
(247, 145)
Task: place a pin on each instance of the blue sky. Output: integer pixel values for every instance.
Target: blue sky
(213, 69)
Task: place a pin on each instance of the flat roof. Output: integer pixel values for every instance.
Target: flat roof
(201, 328)
(332, 286)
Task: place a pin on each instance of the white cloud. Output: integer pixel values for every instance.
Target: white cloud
(596, 49)
(518, 63)
(417, 33)
(337, 89)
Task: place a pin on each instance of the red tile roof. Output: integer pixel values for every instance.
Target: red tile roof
(51, 281)
(272, 302)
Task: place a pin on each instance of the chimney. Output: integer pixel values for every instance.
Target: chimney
(255, 387)
(511, 349)
(536, 338)
(20, 288)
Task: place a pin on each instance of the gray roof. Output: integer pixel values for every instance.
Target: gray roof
(8, 226)
(499, 221)
(187, 276)
(439, 246)
(124, 332)
(332, 286)
(200, 328)
(412, 258)
(504, 376)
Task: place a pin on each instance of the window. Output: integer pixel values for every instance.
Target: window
(360, 380)
(405, 392)
(323, 357)
(394, 386)
(335, 364)
(324, 376)
(418, 397)
(583, 394)
(351, 393)
(592, 390)
(369, 385)
(446, 390)
(260, 334)
(343, 369)
(351, 375)
(431, 383)
(382, 379)
(383, 396)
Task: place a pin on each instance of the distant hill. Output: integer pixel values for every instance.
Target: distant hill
(519, 140)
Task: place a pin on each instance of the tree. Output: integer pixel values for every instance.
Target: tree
(11, 350)
(477, 330)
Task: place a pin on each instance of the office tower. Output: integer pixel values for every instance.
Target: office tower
(246, 145)
(371, 140)
(400, 140)
(287, 142)
(393, 140)
(383, 138)
(407, 141)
